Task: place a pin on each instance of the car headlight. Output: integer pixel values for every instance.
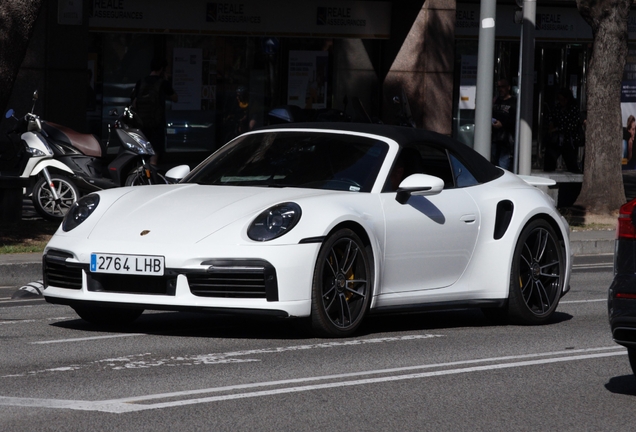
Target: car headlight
(274, 222)
(80, 211)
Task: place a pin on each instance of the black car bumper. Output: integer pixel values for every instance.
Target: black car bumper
(622, 309)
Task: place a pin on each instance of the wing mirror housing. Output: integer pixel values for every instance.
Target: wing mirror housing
(176, 174)
(418, 185)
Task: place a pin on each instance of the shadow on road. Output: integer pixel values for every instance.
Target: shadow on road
(187, 324)
(625, 385)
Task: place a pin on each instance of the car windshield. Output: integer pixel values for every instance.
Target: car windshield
(295, 159)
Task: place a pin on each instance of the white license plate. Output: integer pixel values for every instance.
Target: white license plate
(148, 265)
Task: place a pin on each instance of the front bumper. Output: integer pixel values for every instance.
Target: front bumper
(276, 283)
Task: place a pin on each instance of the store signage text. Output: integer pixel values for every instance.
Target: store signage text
(114, 9)
(466, 18)
(229, 13)
(551, 22)
(337, 16)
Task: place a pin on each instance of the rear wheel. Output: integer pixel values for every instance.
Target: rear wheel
(537, 276)
(44, 201)
(111, 316)
(342, 285)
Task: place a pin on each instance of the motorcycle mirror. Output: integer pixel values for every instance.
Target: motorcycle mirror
(113, 112)
(9, 113)
(35, 98)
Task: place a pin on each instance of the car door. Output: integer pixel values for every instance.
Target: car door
(429, 239)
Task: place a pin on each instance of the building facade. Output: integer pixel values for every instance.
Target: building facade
(369, 58)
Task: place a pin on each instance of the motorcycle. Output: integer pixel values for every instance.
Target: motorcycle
(94, 169)
(64, 162)
(56, 193)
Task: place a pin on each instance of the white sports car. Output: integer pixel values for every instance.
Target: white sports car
(326, 221)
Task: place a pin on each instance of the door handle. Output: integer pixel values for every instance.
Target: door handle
(468, 218)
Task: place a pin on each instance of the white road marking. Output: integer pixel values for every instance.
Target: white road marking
(592, 265)
(131, 404)
(145, 361)
(87, 338)
(21, 300)
(17, 322)
(584, 301)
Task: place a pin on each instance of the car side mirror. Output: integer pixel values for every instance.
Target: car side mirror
(418, 185)
(176, 174)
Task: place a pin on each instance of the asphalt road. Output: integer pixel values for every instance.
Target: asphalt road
(440, 371)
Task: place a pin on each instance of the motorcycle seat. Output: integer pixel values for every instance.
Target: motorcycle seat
(86, 143)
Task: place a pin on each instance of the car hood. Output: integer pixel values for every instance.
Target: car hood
(187, 213)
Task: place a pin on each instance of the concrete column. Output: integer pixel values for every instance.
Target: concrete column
(485, 76)
(423, 68)
(524, 156)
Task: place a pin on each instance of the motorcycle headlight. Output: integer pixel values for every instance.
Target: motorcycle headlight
(80, 211)
(274, 222)
(136, 142)
(35, 152)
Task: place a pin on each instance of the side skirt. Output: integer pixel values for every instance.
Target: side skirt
(464, 304)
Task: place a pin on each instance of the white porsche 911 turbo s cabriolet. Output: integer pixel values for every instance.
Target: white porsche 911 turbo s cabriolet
(325, 221)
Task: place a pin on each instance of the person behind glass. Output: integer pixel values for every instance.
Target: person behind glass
(148, 100)
(629, 133)
(564, 130)
(504, 117)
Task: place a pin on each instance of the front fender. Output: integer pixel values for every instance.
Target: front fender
(50, 163)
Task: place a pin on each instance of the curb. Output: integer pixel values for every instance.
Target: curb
(20, 269)
(600, 242)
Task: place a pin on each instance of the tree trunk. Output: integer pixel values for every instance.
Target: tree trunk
(602, 192)
(17, 20)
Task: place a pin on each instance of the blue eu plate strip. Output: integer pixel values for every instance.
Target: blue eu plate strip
(93, 262)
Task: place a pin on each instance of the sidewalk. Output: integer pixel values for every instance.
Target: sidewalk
(19, 269)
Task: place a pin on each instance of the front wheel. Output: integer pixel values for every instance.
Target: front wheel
(44, 201)
(537, 275)
(107, 316)
(138, 177)
(342, 285)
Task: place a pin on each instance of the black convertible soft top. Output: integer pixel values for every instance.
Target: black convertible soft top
(480, 167)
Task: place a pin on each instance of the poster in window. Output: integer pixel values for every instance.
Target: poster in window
(186, 78)
(307, 85)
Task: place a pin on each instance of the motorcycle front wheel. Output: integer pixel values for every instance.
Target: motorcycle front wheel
(137, 177)
(44, 201)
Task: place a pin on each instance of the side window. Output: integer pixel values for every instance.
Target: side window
(436, 164)
(463, 177)
(420, 159)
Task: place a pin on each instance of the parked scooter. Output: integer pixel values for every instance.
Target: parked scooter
(94, 169)
(64, 162)
(56, 193)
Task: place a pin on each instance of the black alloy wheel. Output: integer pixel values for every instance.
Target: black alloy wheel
(342, 285)
(537, 276)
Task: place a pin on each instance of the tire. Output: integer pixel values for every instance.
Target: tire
(537, 275)
(107, 316)
(44, 202)
(631, 353)
(138, 178)
(342, 285)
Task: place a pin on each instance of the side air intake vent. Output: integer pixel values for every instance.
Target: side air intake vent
(504, 216)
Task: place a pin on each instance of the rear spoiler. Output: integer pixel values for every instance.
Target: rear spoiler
(537, 181)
